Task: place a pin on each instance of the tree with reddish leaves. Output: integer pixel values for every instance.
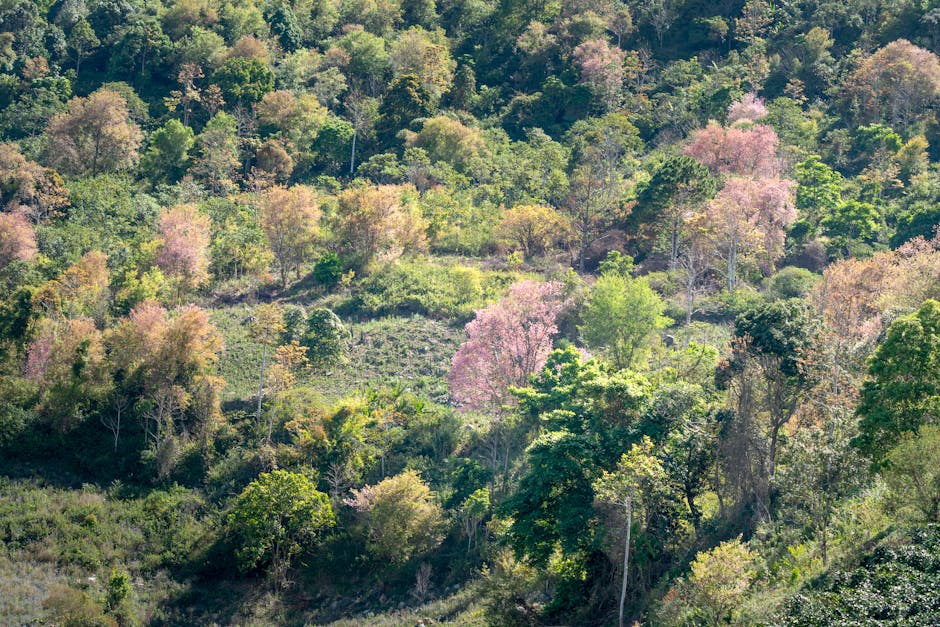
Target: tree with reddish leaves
(184, 244)
(601, 68)
(897, 84)
(507, 342)
(741, 150)
(17, 239)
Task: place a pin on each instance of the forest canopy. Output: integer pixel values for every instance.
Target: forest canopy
(469, 312)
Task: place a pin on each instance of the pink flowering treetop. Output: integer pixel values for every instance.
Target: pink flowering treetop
(749, 109)
(507, 342)
(744, 151)
(748, 218)
(184, 245)
(17, 239)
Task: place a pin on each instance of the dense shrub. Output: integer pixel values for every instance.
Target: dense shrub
(418, 286)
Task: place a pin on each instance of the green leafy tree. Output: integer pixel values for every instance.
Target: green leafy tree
(819, 191)
(244, 81)
(719, 580)
(405, 101)
(217, 153)
(912, 473)
(638, 479)
(903, 391)
(168, 155)
(679, 185)
(277, 516)
(326, 337)
(400, 517)
(621, 317)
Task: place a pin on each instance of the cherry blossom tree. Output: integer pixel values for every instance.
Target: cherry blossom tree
(602, 70)
(184, 244)
(507, 342)
(749, 109)
(748, 218)
(17, 239)
(745, 151)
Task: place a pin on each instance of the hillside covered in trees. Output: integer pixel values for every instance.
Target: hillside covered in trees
(472, 312)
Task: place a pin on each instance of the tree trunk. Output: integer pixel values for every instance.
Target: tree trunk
(674, 253)
(352, 158)
(626, 561)
(264, 356)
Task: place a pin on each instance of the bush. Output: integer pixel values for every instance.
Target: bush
(328, 269)
(895, 585)
(792, 282)
(421, 287)
(326, 337)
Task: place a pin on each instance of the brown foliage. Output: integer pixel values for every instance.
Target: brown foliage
(93, 136)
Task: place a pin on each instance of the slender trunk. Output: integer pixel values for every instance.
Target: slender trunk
(352, 158)
(264, 356)
(674, 253)
(732, 266)
(582, 253)
(626, 561)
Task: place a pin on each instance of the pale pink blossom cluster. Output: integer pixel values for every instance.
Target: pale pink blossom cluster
(601, 68)
(750, 151)
(753, 214)
(750, 108)
(507, 342)
(17, 238)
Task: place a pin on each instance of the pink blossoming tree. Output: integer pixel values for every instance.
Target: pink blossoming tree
(17, 239)
(749, 109)
(748, 218)
(183, 255)
(750, 151)
(508, 341)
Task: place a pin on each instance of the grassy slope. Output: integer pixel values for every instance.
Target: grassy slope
(414, 351)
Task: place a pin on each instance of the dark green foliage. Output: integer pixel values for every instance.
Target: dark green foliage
(244, 81)
(893, 585)
(780, 328)
(328, 269)
(284, 25)
(921, 223)
(904, 389)
(853, 220)
(167, 157)
(792, 282)
(819, 191)
(405, 101)
(326, 337)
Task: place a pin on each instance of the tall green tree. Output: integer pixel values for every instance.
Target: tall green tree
(621, 317)
(679, 185)
(903, 391)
